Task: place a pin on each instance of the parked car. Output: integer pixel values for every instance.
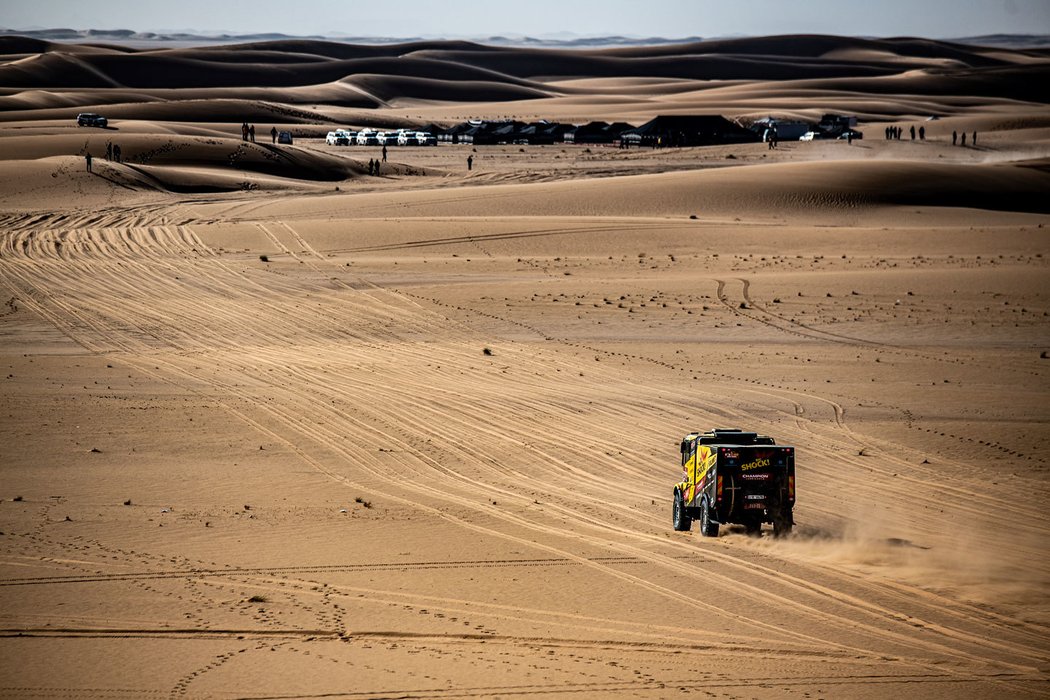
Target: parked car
(851, 134)
(811, 136)
(284, 137)
(338, 138)
(89, 119)
(407, 137)
(367, 137)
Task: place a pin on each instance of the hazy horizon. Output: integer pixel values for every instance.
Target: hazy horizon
(544, 19)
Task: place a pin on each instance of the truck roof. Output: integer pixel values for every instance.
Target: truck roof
(729, 436)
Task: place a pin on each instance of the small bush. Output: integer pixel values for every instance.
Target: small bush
(264, 258)
(257, 599)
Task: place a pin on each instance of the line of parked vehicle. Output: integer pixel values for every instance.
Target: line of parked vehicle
(372, 137)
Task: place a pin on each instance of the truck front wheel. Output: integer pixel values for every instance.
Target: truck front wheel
(680, 519)
(708, 527)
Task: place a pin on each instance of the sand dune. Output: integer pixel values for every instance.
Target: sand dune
(836, 189)
(276, 427)
(191, 69)
(933, 68)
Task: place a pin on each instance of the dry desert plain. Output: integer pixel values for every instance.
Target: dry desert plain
(274, 428)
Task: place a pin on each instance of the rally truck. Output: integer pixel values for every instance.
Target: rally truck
(734, 477)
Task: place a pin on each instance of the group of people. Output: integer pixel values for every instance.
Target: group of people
(112, 153)
(958, 139)
(893, 133)
(248, 133)
(374, 164)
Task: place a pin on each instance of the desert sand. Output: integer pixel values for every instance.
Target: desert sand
(275, 428)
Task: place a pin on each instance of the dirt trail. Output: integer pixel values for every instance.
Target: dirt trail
(536, 448)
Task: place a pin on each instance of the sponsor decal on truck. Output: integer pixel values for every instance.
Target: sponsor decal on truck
(757, 464)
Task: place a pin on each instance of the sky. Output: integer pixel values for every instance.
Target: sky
(547, 18)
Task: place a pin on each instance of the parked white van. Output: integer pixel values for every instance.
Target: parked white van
(367, 137)
(339, 137)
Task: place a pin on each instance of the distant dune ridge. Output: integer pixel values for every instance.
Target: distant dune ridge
(506, 73)
(197, 94)
(129, 36)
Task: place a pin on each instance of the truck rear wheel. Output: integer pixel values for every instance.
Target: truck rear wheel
(782, 523)
(708, 527)
(679, 518)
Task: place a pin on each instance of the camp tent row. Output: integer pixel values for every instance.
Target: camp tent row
(665, 131)
(699, 130)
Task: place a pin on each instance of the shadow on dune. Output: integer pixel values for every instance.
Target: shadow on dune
(185, 165)
(839, 185)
